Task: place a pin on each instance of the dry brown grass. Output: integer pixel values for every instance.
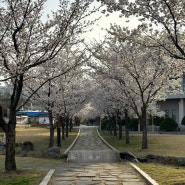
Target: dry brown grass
(158, 144)
(32, 134)
(164, 174)
(39, 136)
(31, 171)
(167, 144)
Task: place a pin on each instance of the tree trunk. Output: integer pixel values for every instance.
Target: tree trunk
(52, 128)
(67, 126)
(144, 130)
(110, 126)
(115, 126)
(70, 124)
(10, 163)
(127, 139)
(120, 128)
(58, 131)
(63, 127)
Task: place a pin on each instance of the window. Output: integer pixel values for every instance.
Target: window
(174, 115)
(166, 113)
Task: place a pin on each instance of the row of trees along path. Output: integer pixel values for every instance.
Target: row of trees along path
(91, 161)
(135, 67)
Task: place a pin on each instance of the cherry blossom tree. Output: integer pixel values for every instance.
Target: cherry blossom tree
(51, 77)
(106, 101)
(143, 75)
(71, 98)
(26, 43)
(162, 22)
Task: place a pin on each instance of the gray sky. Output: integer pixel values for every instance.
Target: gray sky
(98, 30)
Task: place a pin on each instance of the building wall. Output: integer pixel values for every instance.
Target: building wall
(172, 106)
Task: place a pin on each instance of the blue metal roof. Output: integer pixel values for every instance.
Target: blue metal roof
(32, 113)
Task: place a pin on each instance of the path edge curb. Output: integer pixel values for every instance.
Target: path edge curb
(47, 177)
(107, 142)
(72, 144)
(149, 180)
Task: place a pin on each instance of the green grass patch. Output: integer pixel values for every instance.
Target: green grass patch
(30, 170)
(165, 174)
(158, 144)
(22, 177)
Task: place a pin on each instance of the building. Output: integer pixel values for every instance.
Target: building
(35, 117)
(174, 106)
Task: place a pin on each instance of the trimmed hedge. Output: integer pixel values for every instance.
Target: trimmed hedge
(168, 124)
(183, 121)
(104, 124)
(133, 124)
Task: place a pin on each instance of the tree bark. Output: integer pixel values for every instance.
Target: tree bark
(63, 127)
(110, 125)
(144, 129)
(120, 128)
(10, 162)
(127, 139)
(115, 126)
(3, 124)
(58, 131)
(67, 126)
(51, 128)
(70, 124)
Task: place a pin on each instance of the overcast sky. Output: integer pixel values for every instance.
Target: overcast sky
(98, 30)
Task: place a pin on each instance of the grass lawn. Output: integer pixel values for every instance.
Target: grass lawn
(22, 177)
(158, 144)
(164, 174)
(31, 171)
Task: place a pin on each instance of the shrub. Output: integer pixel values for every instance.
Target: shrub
(156, 120)
(1, 130)
(133, 124)
(104, 124)
(168, 124)
(183, 121)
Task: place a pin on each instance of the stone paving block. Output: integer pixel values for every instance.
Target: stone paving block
(83, 179)
(87, 175)
(112, 179)
(126, 176)
(65, 174)
(86, 183)
(105, 176)
(132, 183)
(64, 178)
(63, 183)
(131, 180)
(113, 183)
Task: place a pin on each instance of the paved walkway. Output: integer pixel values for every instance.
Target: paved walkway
(92, 168)
(90, 148)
